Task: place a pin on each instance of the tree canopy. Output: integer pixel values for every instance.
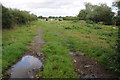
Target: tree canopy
(97, 13)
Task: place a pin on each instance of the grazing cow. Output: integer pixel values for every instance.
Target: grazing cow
(59, 19)
(46, 19)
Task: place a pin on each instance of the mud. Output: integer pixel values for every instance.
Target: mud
(87, 67)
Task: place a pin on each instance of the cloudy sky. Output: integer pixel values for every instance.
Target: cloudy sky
(52, 7)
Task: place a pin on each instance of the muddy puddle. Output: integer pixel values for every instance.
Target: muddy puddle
(27, 67)
(86, 67)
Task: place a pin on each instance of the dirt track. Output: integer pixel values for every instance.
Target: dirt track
(84, 66)
(87, 67)
(36, 46)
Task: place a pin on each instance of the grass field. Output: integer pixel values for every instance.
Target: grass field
(96, 41)
(62, 37)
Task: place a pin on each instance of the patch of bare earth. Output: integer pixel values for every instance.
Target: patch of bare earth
(87, 67)
(36, 46)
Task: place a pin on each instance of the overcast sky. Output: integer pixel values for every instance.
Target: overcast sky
(52, 7)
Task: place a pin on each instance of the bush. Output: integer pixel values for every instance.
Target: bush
(6, 18)
(11, 17)
(71, 18)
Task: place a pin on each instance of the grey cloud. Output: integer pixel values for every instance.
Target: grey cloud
(51, 7)
(48, 4)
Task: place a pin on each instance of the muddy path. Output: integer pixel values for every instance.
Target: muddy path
(36, 46)
(86, 67)
(31, 62)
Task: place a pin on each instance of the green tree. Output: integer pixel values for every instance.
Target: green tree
(82, 14)
(101, 13)
(6, 18)
(97, 13)
(11, 17)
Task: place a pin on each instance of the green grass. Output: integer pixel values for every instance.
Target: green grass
(15, 43)
(61, 37)
(58, 63)
(96, 41)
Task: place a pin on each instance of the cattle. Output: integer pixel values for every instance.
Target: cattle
(46, 19)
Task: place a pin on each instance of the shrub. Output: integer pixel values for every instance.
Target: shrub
(11, 17)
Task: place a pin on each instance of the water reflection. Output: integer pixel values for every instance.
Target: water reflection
(26, 68)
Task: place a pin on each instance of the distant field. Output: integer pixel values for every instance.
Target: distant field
(62, 37)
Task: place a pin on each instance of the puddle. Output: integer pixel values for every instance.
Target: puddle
(26, 68)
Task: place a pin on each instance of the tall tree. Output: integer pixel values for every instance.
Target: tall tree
(97, 13)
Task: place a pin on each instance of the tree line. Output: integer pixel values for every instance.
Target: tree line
(101, 13)
(11, 17)
(97, 13)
